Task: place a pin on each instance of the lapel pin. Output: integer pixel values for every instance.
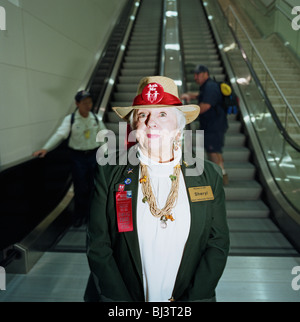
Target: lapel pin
(129, 171)
(121, 187)
(185, 163)
(144, 179)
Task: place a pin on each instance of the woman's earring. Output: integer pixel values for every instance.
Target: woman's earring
(176, 145)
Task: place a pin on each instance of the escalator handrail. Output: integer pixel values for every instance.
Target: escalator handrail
(163, 37)
(284, 204)
(120, 21)
(11, 255)
(125, 16)
(263, 63)
(102, 104)
(184, 79)
(269, 105)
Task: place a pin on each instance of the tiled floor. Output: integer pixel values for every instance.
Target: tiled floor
(61, 277)
(252, 279)
(56, 277)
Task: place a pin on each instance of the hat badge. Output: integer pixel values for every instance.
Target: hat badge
(153, 93)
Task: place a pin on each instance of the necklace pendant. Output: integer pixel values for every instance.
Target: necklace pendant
(163, 222)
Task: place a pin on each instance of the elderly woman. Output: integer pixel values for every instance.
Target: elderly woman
(156, 234)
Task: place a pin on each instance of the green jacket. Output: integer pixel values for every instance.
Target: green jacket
(114, 258)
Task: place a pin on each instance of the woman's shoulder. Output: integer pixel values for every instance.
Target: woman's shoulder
(212, 167)
(201, 167)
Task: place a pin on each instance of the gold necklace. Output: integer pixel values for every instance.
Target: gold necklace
(165, 213)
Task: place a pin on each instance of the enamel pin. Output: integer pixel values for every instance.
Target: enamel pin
(127, 181)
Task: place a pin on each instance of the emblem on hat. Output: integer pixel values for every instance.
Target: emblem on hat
(153, 93)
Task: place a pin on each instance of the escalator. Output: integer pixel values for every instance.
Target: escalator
(252, 231)
(101, 74)
(141, 59)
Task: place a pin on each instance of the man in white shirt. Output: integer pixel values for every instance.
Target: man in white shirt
(80, 128)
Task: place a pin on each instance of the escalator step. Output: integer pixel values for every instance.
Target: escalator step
(145, 58)
(129, 79)
(132, 65)
(235, 140)
(132, 88)
(247, 209)
(243, 190)
(121, 103)
(238, 171)
(123, 97)
(142, 52)
(137, 72)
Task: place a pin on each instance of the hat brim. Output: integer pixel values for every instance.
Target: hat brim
(83, 97)
(190, 112)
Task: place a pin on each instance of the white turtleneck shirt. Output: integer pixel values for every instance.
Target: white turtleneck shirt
(162, 249)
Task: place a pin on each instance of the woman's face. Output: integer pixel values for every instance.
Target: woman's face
(156, 130)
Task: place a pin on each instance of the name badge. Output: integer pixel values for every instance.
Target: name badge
(124, 211)
(201, 193)
(87, 134)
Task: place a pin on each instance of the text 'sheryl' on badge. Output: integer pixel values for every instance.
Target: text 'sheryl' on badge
(201, 193)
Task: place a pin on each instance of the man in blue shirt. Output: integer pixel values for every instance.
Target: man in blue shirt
(213, 119)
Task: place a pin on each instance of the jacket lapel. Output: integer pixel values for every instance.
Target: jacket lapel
(131, 176)
(198, 219)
